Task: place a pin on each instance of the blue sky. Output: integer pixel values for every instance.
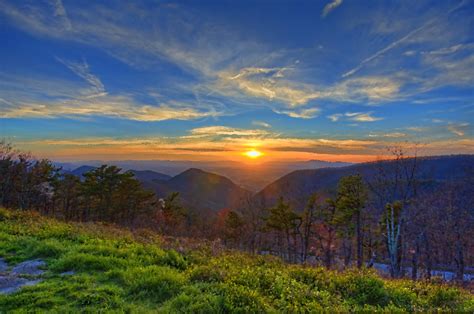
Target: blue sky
(208, 80)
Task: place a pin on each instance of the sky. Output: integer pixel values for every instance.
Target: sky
(210, 80)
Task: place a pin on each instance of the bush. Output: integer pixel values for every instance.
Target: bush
(206, 274)
(240, 299)
(157, 283)
(82, 262)
(361, 287)
(195, 301)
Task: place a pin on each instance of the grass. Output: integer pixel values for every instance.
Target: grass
(118, 271)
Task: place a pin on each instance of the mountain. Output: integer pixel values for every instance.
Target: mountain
(148, 175)
(252, 176)
(298, 185)
(81, 170)
(200, 189)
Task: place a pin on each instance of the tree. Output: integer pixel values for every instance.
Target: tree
(327, 231)
(283, 220)
(233, 224)
(307, 220)
(114, 196)
(171, 214)
(395, 187)
(351, 199)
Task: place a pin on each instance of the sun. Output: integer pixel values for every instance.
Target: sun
(253, 154)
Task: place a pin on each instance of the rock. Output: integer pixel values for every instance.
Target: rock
(29, 268)
(3, 265)
(11, 284)
(68, 273)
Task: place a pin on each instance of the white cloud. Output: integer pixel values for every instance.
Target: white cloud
(335, 117)
(330, 7)
(60, 12)
(388, 135)
(266, 83)
(82, 70)
(354, 116)
(308, 113)
(227, 131)
(261, 124)
(107, 106)
(458, 129)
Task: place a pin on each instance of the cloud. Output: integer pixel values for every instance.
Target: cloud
(354, 116)
(373, 89)
(227, 131)
(400, 41)
(82, 70)
(105, 106)
(362, 117)
(266, 83)
(261, 124)
(330, 7)
(307, 113)
(335, 117)
(60, 12)
(458, 129)
(388, 135)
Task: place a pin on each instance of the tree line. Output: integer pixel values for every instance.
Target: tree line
(393, 217)
(387, 218)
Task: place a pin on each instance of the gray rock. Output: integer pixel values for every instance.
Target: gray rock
(11, 284)
(68, 273)
(3, 265)
(29, 268)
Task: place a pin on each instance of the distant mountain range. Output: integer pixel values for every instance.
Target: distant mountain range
(298, 185)
(197, 189)
(200, 189)
(252, 177)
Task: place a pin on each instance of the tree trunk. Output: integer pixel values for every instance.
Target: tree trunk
(360, 255)
(459, 258)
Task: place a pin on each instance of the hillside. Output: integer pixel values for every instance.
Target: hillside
(96, 268)
(150, 176)
(298, 185)
(201, 189)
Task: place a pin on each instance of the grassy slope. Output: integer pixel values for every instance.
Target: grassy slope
(120, 272)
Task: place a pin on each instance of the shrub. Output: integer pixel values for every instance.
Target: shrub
(206, 274)
(82, 262)
(156, 283)
(361, 287)
(240, 299)
(195, 301)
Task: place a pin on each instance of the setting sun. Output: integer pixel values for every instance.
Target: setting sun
(253, 154)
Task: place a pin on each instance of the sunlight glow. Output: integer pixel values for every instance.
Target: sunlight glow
(253, 154)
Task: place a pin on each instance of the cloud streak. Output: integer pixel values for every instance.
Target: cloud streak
(328, 8)
(354, 116)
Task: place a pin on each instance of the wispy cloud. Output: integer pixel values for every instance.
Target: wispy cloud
(105, 106)
(266, 83)
(82, 70)
(400, 41)
(388, 135)
(227, 131)
(60, 12)
(261, 124)
(458, 129)
(354, 116)
(330, 7)
(307, 113)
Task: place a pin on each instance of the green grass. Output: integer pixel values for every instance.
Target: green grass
(118, 271)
